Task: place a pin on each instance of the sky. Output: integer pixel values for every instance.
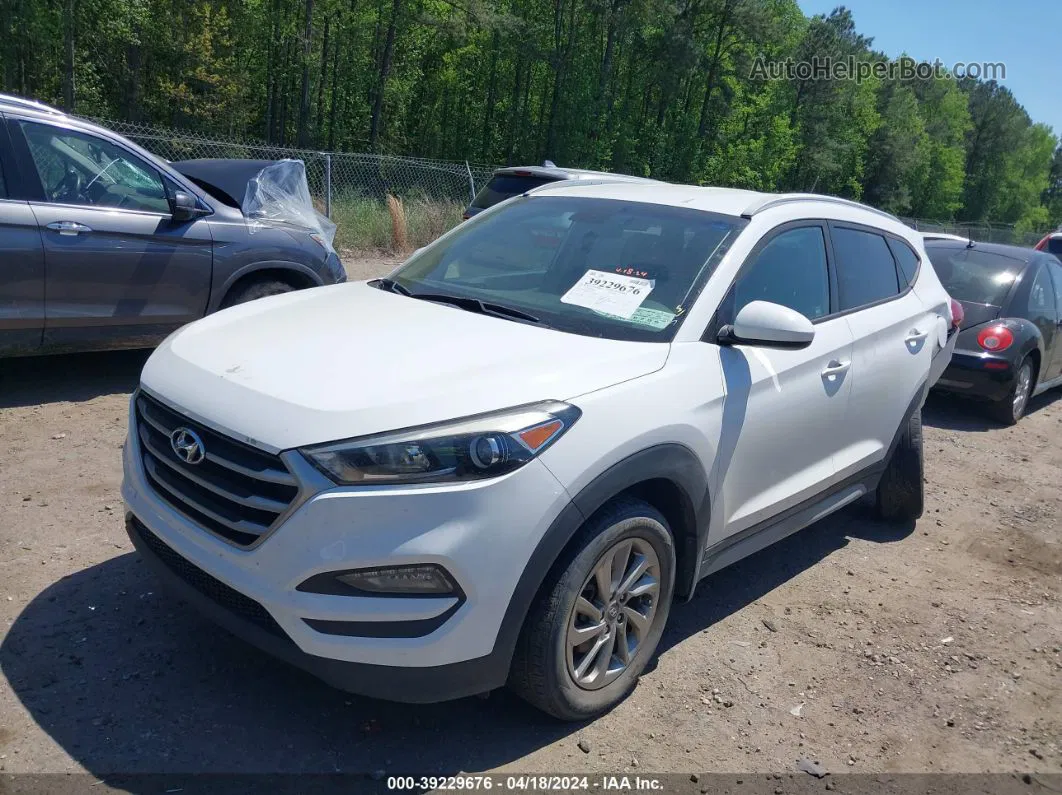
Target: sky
(1023, 34)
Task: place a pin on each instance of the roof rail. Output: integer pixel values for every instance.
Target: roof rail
(29, 104)
(769, 202)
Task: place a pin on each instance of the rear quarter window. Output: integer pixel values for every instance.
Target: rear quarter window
(906, 258)
(505, 186)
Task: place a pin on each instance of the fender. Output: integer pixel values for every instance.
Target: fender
(1027, 338)
(303, 271)
(671, 462)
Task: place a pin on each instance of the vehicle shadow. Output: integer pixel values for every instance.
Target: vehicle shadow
(735, 587)
(956, 413)
(33, 380)
(130, 681)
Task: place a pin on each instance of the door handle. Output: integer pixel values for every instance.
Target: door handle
(68, 227)
(836, 368)
(914, 335)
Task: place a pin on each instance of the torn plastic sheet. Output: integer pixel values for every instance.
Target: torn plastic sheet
(279, 193)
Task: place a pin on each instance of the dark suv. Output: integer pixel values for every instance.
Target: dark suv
(515, 180)
(103, 245)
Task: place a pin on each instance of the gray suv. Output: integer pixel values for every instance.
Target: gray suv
(103, 245)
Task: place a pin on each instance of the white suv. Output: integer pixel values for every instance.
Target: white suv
(502, 463)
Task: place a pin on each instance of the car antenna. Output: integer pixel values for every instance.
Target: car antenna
(549, 164)
(969, 244)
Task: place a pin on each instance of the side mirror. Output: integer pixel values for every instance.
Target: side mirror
(769, 325)
(184, 206)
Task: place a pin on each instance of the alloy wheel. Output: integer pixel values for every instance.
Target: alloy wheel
(1022, 389)
(614, 613)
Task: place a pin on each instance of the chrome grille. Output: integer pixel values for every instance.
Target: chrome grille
(237, 492)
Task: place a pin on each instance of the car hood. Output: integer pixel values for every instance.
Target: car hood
(224, 179)
(335, 362)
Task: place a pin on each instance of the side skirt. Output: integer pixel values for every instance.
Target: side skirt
(1043, 386)
(760, 536)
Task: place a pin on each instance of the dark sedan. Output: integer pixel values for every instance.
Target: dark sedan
(1010, 341)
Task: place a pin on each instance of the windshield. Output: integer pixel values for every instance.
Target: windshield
(597, 267)
(505, 186)
(979, 277)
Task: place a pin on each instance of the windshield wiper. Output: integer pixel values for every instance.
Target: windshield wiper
(391, 286)
(480, 307)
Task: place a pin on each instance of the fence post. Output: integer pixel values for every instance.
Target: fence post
(471, 183)
(328, 184)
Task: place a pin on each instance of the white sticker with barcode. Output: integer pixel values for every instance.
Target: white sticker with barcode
(611, 293)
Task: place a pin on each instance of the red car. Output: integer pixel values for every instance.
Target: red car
(1052, 244)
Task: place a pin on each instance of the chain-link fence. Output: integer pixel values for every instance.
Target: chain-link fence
(981, 232)
(350, 178)
(332, 175)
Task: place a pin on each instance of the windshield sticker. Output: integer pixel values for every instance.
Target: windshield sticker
(653, 318)
(609, 293)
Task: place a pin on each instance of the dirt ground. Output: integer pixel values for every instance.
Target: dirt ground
(865, 646)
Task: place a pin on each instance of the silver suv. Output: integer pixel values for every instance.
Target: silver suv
(104, 245)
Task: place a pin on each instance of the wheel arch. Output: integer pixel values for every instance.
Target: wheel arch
(1029, 341)
(669, 477)
(293, 273)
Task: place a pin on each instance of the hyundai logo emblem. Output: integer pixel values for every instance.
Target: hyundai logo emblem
(187, 445)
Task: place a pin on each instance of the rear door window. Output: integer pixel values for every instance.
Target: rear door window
(505, 186)
(866, 271)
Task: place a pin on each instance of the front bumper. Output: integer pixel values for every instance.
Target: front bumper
(979, 375)
(482, 533)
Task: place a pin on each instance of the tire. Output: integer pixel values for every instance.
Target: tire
(254, 290)
(543, 671)
(1011, 409)
(901, 491)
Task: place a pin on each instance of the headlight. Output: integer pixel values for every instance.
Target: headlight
(478, 447)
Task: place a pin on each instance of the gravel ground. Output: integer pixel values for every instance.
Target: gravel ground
(865, 646)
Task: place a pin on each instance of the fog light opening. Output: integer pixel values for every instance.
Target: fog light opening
(419, 580)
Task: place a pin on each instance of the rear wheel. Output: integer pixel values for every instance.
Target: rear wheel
(256, 289)
(1012, 408)
(597, 621)
(901, 491)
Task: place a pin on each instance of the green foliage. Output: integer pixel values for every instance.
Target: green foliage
(664, 88)
(365, 224)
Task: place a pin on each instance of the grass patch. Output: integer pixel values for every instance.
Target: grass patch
(366, 224)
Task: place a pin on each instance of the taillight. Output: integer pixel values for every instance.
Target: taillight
(958, 314)
(1042, 245)
(995, 338)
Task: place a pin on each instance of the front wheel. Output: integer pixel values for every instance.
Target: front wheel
(255, 290)
(599, 618)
